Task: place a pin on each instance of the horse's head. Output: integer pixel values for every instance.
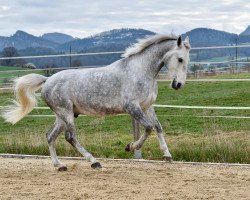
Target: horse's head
(176, 61)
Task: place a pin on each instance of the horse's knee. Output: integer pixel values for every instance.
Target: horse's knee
(50, 138)
(69, 138)
(148, 129)
(158, 128)
(49, 135)
(54, 132)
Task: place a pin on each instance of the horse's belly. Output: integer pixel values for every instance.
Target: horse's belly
(98, 110)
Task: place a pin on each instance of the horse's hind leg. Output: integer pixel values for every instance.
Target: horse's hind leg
(51, 137)
(70, 136)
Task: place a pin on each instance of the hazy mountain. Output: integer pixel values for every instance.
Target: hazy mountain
(3, 42)
(209, 37)
(124, 37)
(117, 40)
(114, 40)
(22, 40)
(59, 38)
(202, 37)
(246, 32)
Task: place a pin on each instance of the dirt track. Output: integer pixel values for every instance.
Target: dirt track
(37, 179)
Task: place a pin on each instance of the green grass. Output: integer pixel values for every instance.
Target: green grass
(216, 59)
(231, 76)
(190, 138)
(7, 68)
(8, 73)
(242, 75)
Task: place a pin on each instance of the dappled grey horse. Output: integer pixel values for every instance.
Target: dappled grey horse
(125, 86)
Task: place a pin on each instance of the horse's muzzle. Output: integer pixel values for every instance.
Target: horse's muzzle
(175, 85)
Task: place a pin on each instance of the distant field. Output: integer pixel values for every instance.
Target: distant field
(231, 76)
(8, 73)
(5, 68)
(216, 59)
(6, 77)
(191, 138)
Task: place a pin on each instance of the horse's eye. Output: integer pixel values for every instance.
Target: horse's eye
(180, 60)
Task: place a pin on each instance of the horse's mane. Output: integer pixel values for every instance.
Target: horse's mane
(146, 42)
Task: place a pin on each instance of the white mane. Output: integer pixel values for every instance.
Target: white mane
(146, 42)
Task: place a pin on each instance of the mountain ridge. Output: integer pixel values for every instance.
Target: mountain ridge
(57, 37)
(61, 42)
(246, 31)
(117, 40)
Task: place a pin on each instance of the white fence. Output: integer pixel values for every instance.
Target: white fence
(135, 124)
(120, 52)
(172, 106)
(162, 106)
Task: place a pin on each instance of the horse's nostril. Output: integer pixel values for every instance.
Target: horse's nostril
(178, 85)
(174, 84)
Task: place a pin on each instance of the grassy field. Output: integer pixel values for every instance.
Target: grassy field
(7, 68)
(8, 73)
(231, 76)
(190, 138)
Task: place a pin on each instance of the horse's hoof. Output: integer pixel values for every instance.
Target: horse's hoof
(63, 168)
(168, 159)
(128, 147)
(96, 165)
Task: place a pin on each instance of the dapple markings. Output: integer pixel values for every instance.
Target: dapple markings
(125, 86)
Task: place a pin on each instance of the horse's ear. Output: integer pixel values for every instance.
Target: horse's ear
(186, 40)
(186, 43)
(179, 41)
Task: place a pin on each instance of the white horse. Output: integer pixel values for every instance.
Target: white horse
(125, 86)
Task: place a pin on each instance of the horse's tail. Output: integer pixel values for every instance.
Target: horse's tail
(25, 88)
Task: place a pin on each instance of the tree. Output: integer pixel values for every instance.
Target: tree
(9, 52)
(195, 67)
(76, 63)
(211, 68)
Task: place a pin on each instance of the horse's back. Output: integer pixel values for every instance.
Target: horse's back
(90, 91)
(100, 91)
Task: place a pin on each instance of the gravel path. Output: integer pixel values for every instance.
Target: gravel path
(37, 179)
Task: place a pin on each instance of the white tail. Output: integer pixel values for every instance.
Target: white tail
(25, 88)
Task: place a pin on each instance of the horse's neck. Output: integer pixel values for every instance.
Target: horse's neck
(151, 61)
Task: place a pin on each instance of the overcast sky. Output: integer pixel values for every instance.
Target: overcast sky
(81, 18)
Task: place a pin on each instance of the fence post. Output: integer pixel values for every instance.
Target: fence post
(136, 133)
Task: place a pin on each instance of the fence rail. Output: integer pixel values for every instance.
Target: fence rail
(135, 124)
(121, 52)
(114, 52)
(179, 106)
(62, 55)
(197, 116)
(203, 107)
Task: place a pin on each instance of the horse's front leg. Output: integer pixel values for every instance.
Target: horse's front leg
(159, 130)
(136, 112)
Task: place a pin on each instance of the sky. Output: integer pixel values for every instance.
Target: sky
(82, 18)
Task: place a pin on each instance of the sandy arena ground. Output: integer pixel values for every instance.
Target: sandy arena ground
(37, 179)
